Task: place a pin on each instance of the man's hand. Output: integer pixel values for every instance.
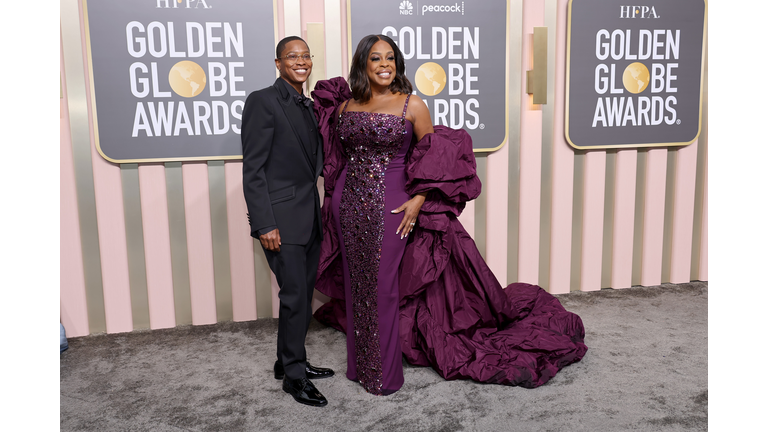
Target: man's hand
(271, 240)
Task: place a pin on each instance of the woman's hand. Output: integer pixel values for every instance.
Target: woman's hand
(411, 210)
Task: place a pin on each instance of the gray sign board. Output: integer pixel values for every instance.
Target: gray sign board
(170, 77)
(455, 57)
(634, 74)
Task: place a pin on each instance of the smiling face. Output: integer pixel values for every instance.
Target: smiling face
(381, 67)
(296, 73)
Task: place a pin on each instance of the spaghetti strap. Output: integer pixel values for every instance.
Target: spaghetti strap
(346, 104)
(405, 108)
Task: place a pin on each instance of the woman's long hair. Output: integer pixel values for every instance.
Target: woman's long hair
(358, 78)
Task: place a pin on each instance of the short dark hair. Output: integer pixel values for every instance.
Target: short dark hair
(281, 45)
(358, 79)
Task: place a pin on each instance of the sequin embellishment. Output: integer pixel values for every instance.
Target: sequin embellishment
(370, 141)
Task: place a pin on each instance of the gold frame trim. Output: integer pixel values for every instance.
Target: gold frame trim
(94, 110)
(628, 146)
(506, 74)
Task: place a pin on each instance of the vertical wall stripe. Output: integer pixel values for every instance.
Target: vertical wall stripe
(110, 219)
(699, 215)
(312, 11)
(313, 18)
(264, 276)
(345, 30)
(497, 185)
(74, 306)
(515, 18)
(316, 39)
(638, 235)
(703, 273)
(217, 190)
(325, 32)
(623, 219)
(74, 66)
(197, 210)
(592, 231)
(562, 173)
(547, 142)
(467, 218)
(577, 227)
(275, 294)
(653, 216)
(703, 256)
(683, 209)
(496, 215)
(481, 204)
(177, 227)
(530, 157)
(242, 271)
(530, 193)
(134, 239)
(157, 246)
(669, 197)
(292, 17)
(333, 30)
(318, 300)
(278, 14)
(608, 218)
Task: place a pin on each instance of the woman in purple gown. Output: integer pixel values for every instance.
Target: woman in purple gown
(403, 275)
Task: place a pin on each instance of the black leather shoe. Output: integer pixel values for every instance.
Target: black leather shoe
(312, 372)
(304, 392)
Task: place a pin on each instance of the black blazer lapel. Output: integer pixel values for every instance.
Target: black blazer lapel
(295, 119)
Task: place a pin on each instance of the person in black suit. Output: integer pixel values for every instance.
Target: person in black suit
(282, 159)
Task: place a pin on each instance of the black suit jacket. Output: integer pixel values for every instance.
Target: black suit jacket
(280, 170)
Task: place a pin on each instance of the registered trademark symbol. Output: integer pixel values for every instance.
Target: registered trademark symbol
(482, 125)
(678, 121)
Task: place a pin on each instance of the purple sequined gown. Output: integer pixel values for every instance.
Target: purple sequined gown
(371, 185)
(453, 314)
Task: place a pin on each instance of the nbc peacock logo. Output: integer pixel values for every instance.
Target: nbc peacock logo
(406, 8)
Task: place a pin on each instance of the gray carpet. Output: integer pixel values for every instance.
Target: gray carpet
(646, 369)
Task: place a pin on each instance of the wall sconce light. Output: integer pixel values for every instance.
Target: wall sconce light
(536, 79)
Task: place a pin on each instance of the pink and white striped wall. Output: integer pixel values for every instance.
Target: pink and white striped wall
(159, 245)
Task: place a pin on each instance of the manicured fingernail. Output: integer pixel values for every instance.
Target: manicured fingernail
(397, 232)
(401, 237)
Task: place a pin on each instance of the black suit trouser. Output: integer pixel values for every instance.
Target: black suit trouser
(295, 268)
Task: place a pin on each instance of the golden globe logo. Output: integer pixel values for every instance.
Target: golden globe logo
(636, 78)
(430, 78)
(187, 79)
